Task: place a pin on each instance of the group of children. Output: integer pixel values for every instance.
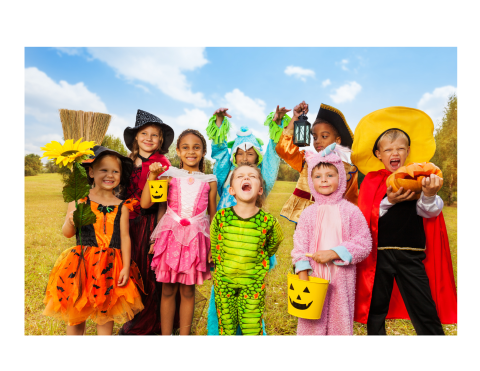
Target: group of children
(141, 259)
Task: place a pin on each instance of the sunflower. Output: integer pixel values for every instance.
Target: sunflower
(68, 153)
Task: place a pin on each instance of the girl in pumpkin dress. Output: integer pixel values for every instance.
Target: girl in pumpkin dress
(182, 244)
(96, 279)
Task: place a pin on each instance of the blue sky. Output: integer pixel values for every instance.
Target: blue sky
(183, 86)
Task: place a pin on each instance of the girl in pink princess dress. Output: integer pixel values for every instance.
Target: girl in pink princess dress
(182, 237)
(340, 238)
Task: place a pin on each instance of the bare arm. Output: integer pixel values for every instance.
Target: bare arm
(212, 200)
(155, 170)
(68, 227)
(297, 111)
(125, 246)
(220, 114)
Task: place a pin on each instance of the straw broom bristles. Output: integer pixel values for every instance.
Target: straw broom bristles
(91, 126)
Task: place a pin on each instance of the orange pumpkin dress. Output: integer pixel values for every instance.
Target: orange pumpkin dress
(83, 281)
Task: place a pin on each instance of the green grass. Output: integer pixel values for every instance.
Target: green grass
(44, 216)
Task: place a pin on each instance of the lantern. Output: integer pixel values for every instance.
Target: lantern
(301, 131)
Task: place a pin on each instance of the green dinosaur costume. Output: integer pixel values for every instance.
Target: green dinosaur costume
(241, 249)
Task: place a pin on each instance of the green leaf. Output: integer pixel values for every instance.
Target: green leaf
(83, 216)
(77, 186)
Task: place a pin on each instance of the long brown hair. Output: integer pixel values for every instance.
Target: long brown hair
(135, 148)
(260, 201)
(201, 165)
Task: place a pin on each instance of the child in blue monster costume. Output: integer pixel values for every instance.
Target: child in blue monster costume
(245, 148)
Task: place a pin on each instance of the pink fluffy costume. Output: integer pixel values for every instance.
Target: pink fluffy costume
(340, 226)
(182, 236)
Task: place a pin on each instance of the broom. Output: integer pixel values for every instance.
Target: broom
(91, 126)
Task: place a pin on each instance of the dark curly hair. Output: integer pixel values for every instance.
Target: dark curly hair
(201, 166)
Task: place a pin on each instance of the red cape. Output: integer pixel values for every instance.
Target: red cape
(438, 262)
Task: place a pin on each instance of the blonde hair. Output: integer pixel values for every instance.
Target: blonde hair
(392, 135)
(135, 148)
(260, 201)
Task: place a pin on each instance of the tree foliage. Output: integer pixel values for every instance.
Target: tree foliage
(114, 143)
(33, 165)
(446, 153)
(285, 172)
(50, 167)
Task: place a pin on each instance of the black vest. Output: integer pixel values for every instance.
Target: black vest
(401, 227)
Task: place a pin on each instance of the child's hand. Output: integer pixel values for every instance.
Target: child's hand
(210, 256)
(299, 109)
(123, 277)
(222, 112)
(155, 170)
(279, 114)
(325, 256)
(70, 218)
(430, 186)
(399, 196)
(303, 275)
(151, 251)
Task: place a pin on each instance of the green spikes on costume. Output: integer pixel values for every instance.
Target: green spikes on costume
(241, 249)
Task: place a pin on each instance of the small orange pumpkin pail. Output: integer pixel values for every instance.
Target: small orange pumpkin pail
(410, 176)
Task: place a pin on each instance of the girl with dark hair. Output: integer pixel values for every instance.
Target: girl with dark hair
(182, 239)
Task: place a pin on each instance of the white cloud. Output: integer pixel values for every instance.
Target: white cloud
(326, 82)
(299, 72)
(346, 93)
(343, 64)
(71, 51)
(144, 88)
(160, 67)
(434, 103)
(44, 97)
(244, 106)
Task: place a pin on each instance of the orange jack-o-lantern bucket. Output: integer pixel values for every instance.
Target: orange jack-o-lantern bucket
(410, 176)
(158, 190)
(306, 298)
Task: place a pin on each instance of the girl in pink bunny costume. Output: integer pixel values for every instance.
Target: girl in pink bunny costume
(340, 236)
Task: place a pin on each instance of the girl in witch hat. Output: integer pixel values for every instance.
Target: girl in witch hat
(329, 127)
(96, 280)
(148, 140)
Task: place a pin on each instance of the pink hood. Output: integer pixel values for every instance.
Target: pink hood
(329, 155)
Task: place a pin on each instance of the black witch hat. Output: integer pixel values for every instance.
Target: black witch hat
(144, 118)
(336, 118)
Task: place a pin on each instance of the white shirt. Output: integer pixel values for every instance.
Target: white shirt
(427, 207)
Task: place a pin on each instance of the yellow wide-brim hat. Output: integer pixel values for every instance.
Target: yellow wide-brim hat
(415, 123)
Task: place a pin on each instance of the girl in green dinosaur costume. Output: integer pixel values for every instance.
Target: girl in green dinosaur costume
(243, 238)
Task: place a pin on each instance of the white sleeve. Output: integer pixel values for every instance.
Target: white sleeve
(384, 206)
(429, 207)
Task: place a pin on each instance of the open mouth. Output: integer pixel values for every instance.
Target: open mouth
(157, 197)
(246, 187)
(395, 164)
(299, 306)
(191, 158)
(109, 182)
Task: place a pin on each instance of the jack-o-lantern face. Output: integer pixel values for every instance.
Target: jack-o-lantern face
(410, 176)
(306, 298)
(296, 304)
(158, 190)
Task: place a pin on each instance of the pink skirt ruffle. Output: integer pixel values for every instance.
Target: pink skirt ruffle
(177, 263)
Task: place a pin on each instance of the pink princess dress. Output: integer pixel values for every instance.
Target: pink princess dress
(182, 236)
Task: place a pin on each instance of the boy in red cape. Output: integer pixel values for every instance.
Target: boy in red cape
(409, 273)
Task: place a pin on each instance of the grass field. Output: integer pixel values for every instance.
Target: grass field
(44, 216)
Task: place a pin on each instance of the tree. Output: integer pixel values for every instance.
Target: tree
(50, 167)
(446, 152)
(115, 144)
(33, 165)
(286, 173)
